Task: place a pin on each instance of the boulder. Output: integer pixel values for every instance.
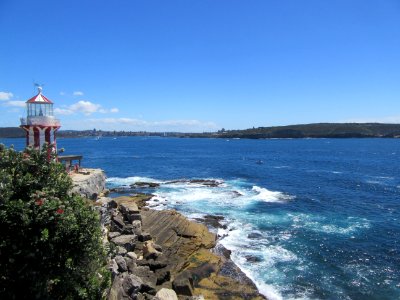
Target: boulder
(116, 290)
(153, 264)
(149, 250)
(127, 229)
(132, 284)
(117, 223)
(132, 255)
(183, 284)
(113, 267)
(112, 204)
(103, 200)
(148, 277)
(166, 294)
(121, 251)
(113, 234)
(253, 259)
(254, 235)
(126, 241)
(122, 267)
(162, 275)
(137, 227)
(144, 237)
(128, 208)
(140, 184)
(157, 247)
(135, 217)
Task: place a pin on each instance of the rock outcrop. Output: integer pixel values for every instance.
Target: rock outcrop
(163, 255)
(89, 184)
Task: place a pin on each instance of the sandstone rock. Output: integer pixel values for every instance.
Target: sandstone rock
(166, 294)
(103, 200)
(127, 229)
(121, 250)
(177, 236)
(157, 247)
(149, 250)
(140, 184)
(144, 296)
(116, 290)
(112, 204)
(89, 186)
(162, 275)
(139, 199)
(128, 208)
(137, 227)
(153, 264)
(132, 255)
(183, 284)
(254, 259)
(254, 235)
(212, 221)
(113, 234)
(132, 284)
(113, 267)
(148, 277)
(135, 217)
(144, 237)
(207, 182)
(122, 267)
(117, 223)
(126, 241)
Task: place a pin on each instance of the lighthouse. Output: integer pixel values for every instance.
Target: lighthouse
(40, 124)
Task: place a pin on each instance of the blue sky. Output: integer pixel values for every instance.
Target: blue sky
(200, 65)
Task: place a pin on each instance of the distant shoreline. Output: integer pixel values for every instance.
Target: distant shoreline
(316, 130)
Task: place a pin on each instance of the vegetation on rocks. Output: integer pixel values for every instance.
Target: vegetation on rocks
(50, 244)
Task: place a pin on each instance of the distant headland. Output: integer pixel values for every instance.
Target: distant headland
(315, 130)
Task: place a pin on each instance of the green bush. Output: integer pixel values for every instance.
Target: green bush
(50, 243)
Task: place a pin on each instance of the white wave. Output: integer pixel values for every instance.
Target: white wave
(272, 255)
(318, 224)
(157, 202)
(269, 196)
(120, 181)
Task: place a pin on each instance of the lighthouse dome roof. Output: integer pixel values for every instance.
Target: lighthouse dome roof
(39, 98)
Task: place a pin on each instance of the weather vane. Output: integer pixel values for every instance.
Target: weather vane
(38, 86)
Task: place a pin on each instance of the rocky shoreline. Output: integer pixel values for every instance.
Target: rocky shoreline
(160, 254)
(163, 255)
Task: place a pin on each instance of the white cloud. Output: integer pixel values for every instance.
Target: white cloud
(114, 110)
(143, 125)
(77, 93)
(62, 93)
(85, 107)
(16, 103)
(63, 111)
(6, 96)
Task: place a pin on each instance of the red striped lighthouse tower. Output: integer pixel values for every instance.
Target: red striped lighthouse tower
(40, 124)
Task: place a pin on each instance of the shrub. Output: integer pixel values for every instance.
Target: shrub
(50, 245)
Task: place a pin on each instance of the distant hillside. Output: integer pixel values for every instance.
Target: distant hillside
(11, 132)
(317, 130)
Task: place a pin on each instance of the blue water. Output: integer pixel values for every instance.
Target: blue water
(326, 211)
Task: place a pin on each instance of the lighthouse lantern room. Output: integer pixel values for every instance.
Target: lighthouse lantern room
(40, 124)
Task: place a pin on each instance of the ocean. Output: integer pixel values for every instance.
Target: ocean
(305, 218)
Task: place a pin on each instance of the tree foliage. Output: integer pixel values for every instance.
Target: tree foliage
(50, 246)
